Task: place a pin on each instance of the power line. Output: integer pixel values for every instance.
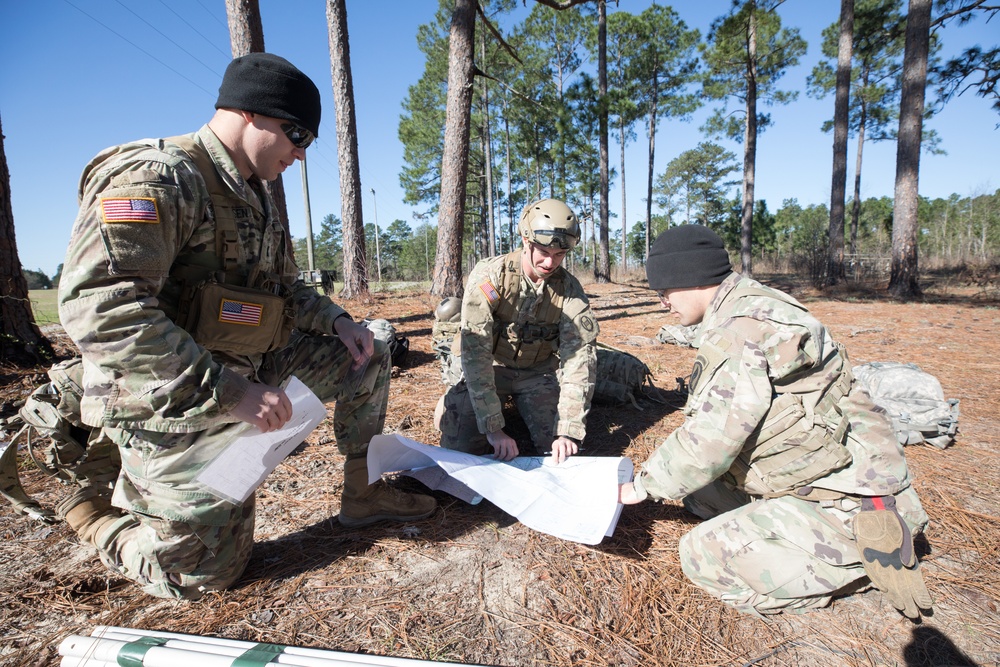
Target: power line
(127, 40)
(214, 45)
(212, 14)
(167, 37)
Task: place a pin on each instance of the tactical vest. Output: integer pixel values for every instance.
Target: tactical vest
(801, 438)
(225, 305)
(517, 343)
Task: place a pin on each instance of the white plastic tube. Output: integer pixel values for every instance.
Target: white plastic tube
(102, 648)
(193, 654)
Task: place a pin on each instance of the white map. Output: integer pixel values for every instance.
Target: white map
(576, 500)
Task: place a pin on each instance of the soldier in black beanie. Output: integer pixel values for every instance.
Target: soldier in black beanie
(184, 298)
(802, 485)
(685, 265)
(270, 85)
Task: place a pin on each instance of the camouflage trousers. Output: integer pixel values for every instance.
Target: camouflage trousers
(778, 554)
(535, 394)
(176, 539)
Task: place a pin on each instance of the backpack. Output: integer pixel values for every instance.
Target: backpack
(447, 325)
(621, 377)
(673, 334)
(55, 439)
(399, 346)
(914, 401)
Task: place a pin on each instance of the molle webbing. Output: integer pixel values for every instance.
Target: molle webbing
(800, 439)
(227, 238)
(517, 343)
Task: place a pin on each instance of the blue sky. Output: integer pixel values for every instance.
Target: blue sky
(77, 76)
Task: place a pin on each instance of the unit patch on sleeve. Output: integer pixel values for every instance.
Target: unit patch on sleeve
(490, 291)
(240, 312)
(128, 209)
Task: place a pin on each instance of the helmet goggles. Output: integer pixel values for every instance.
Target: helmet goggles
(553, 238)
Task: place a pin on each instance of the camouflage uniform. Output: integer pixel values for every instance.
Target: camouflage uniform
(551, 381)
(769, 384)
(162, 398)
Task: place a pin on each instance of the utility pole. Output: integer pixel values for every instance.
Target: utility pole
(309, 224)
(378, 253)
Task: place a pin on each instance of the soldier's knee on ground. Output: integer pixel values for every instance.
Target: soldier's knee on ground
(458, 426)
(181, 566)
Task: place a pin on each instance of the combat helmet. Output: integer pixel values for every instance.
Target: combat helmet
(449, 309)
(550, 223)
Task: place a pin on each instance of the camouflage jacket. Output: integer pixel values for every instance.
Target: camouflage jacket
(771, 346)
(144, 207)
(575, 359)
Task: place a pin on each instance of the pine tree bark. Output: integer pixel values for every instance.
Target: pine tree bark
(447, 280)
(749, 152)
(21, 342)
(602, 267)
(653, 104)
(838, 187)
(355, 264)
(903, 279)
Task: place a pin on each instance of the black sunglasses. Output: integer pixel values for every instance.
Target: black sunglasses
(299, 136)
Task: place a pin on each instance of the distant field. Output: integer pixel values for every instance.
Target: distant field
(43, 305)
(43, 301)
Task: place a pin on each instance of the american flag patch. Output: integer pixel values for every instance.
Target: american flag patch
(240, 312)
(124, 209)
(490, 291)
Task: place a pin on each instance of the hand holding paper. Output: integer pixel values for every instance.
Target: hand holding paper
(242, 466)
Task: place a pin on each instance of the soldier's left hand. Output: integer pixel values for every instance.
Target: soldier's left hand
(359, 339)
(563, 448)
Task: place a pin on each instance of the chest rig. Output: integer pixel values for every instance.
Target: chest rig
(802, 436)
(227, 304)
(523, 339)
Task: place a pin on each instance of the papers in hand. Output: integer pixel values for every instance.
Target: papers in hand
(576, 500)
(244, 464)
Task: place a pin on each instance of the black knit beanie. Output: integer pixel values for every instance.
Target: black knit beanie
(687, 256)
(270, 85)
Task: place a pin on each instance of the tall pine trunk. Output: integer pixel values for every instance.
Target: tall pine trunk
(654, 102)
(749, 151)
(856, 204)
(21, 342)
(355, 263)
(838, 187)
(903, 278)
(447, 279)
(602, 263)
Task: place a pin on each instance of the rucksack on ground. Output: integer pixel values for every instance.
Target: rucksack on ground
(55, 439)
(399, 346)
(673, 334)
(914, 401)
(622, 378)
(447, 325)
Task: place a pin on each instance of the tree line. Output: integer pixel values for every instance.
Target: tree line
(538, 118)
(503, 116)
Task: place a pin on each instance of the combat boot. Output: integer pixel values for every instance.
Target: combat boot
(88, 513)
(362, 504)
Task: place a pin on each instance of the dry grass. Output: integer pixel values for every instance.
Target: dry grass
(470, 584)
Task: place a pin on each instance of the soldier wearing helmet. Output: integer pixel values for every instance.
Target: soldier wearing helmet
(527, 332)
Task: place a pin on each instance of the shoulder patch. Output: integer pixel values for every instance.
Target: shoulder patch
(696, 372)
(489, 291)
(129, 209)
